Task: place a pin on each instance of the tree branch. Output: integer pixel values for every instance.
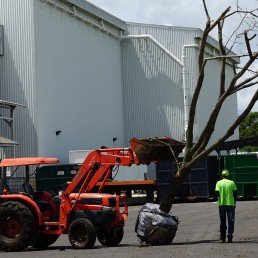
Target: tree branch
(209, 27)
(223, 66)
(189, 132)
(245, 86)
(203, 147)
(227, 134)
(242, 71)
(247, 80)
(247, 42)
(209, 128)
(234, 33)
(206, 10)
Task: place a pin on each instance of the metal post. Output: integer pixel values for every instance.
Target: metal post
(4, 176)
(27, 173)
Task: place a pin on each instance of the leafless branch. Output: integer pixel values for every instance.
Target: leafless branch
(225, 56)
(243, 70)
(229, 132)
(244, 77)
(247, 42)
(234, 69)
(209, 128)
(247, 80)
(245, 86)
(205, 136)
(223, 66)
(206, 10)
(189, 133)
(209, 27)
(236, 36)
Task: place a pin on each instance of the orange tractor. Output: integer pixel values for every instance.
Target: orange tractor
(37, 218)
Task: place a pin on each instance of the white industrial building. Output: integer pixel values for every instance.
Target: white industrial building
(89, 79)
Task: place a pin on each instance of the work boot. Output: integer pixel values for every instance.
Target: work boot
(230, 239)
(223, 239)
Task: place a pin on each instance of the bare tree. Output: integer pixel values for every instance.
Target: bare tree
(245, 76)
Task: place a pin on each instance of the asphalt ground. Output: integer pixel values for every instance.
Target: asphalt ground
(197, 236)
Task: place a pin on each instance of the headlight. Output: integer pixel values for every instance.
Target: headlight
(106, 208)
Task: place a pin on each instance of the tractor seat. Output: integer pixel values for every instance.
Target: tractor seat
(28, 189)
(57, 202)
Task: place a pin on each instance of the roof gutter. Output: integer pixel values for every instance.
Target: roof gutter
(74, 12)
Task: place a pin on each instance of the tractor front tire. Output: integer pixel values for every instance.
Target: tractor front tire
(82, 234)
(17, 226)
(43, 241)
(111, 237)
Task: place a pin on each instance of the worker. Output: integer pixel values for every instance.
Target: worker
(226, 191)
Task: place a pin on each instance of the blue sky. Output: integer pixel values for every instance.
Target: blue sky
(188, 13)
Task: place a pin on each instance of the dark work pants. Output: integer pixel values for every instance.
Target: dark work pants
(226, 212)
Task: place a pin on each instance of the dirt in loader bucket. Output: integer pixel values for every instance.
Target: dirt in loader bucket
(156, 149)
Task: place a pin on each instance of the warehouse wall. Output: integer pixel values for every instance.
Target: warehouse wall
(209, 96)
(84, 88)
(153, 81)
(17, 70)
(79, 84)
(154, 100)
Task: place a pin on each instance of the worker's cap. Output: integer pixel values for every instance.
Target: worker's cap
(225, 172)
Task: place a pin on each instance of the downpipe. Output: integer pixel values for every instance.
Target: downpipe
(186, 90)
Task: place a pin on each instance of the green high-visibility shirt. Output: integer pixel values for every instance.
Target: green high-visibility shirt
(226, 188)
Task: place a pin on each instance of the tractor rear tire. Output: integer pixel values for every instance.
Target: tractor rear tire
(82, 234)
(17, 226)
(111, 237)
(43, 241)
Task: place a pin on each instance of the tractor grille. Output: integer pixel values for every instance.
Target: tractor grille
(90, 200)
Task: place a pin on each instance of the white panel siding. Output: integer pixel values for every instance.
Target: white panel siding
(154, 104)
(209, 96)
(93, 88)
(152, 92)
(173, 38)
(153, 84)
(17, 71)
(79, 84)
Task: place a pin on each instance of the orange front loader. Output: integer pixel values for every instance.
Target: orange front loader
(37, 219)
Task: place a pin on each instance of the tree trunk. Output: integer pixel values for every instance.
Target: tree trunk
(167, 202)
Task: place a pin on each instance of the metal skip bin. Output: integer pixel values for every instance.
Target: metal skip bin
(244, 171)
(54, 177)
(199, 183)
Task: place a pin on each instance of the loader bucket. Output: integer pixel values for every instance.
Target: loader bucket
(156, 149)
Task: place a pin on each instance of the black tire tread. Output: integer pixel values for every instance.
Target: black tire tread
(28, 228)
(111, 237)
(88, 229)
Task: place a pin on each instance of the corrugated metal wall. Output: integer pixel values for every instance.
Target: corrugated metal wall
(209, 95)
(68, 74)
(79, 84)
(17, 70)
(154, 100)
(84, 88)
(153, 81)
